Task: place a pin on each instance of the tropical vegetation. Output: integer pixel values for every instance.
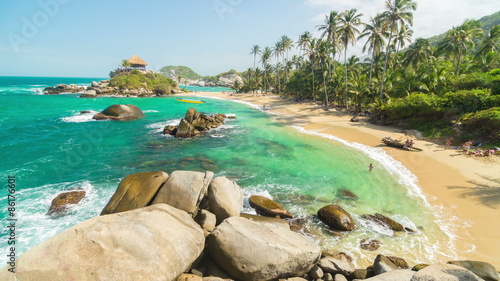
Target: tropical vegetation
(135, 79)
(440, 88)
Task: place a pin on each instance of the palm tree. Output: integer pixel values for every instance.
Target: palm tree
(286, 45)
(125, 64)
(348, 31)
(398, 13)
(458, 40)
(304, 39)
(265, 55)
(277, 51)
(490, 42)
(322, 51)
(418, 52)
(330, 28)
(255, 51)
(376, 35)
(311, 53)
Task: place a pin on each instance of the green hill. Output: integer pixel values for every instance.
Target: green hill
(184, 71)
(487, 22)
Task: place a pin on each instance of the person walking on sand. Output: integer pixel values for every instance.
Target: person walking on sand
(371, 167)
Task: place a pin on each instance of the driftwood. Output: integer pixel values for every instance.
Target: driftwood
(398, 143)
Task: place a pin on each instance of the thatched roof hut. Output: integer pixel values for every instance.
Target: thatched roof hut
(137, 62)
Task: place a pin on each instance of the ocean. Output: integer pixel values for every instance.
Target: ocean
(49, 147)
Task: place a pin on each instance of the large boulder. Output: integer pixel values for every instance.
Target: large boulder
(119, 112)
(186, 130)
(153, 243)
(259, 251)
(445, 272)
(336, 218)
(63, 201)
(382, 264)
(184, 190)
(267, 207)
(481, 269)
(225, 198)
(135, 191)
(271, 220)
(194, 123)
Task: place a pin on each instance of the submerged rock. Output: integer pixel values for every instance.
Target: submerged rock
(267, 207)
(337, 218)
(347, 194)
(370, 244)
(120, 112)
(385, 221)
(62, 202)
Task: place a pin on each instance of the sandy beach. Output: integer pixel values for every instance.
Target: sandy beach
(460, 185)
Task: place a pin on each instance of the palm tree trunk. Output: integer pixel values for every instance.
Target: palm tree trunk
(345, 66)
(313, 93)
(385, 64)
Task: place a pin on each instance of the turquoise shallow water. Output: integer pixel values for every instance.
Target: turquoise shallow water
(50, 147)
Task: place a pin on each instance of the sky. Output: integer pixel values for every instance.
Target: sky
(88, 38)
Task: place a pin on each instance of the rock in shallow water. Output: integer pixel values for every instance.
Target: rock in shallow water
(337, 218)
(120, 112)
(62, 202)
(267, 207)
(153, 243)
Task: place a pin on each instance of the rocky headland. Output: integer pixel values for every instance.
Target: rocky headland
(187, 225)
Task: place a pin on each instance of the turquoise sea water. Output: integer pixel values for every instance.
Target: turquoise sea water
(50, 147)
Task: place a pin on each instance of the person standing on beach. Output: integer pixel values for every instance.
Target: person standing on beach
(371, 167)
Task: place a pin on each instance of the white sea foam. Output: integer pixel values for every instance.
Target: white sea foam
(80, 118)
(150, 111)
(157, 127)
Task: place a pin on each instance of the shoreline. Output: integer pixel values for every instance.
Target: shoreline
(448, 180)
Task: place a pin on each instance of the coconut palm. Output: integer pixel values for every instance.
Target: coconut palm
(311, 53)
(322, 52)
(376, 35)
(304, 39)
(286, 45)
(418, 52)
(460, 39)
(278, 51)
(348, 31)
(265, 56)
(330, 29)
(255, 51)
(125, 64)
(489, 43)
(398, 13)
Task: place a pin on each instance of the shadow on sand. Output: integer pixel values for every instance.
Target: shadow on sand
(486, 192)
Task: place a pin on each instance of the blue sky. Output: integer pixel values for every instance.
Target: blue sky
(77, 38)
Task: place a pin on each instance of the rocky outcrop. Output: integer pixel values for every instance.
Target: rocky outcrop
(89, 94)
(120, 112)
(337, 264)
(135, 191)
(225, 198)
(445, 272)
(194, 123)
(63, 88)
(184, 190)
(267, 207)
(63, 201)
(336, 218)
(258, 251)
(154, 243)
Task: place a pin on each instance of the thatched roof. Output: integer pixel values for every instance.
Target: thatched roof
(136, 60)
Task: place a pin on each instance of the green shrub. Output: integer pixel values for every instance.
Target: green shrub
(135, 79)
(423, 106)
(484, 125)
(466, 101)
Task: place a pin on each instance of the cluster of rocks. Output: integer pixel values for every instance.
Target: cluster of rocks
(188, 226)
(63, 88)
(194, 123)
(119, 112)
(103, 88)
(225, 80)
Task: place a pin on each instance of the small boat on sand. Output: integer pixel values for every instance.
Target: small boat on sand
(190, 101)
(398, 143)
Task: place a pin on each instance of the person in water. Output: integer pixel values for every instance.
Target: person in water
(371, 167)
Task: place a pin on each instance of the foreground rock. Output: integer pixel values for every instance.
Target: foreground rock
(396, 275)
(62, 202)
(267, 207)
(184, 190)
(120, 112)
(135, 191)
(445, 272)
(337, 264)
(125, 246)
(225, 198)
(194, 123)
(336, 218)
(258, 251)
